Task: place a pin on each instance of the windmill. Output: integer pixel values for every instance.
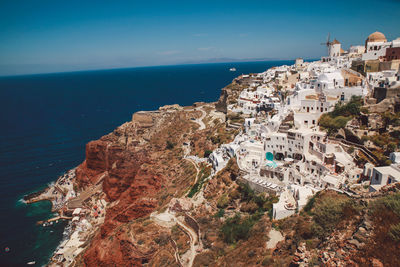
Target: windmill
(328, 41)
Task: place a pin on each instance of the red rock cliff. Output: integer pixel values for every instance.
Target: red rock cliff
(127, 162)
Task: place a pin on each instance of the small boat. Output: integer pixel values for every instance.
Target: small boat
(31, 263)
(232, 69)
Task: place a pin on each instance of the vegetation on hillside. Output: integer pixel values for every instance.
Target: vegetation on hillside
(251, 203)
(342, 113)
(237, 228)
(384, 242)
(328, 212)
(390, 204)
(203, 174)
(324, 212)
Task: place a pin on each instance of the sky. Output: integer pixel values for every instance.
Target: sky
(56, 36)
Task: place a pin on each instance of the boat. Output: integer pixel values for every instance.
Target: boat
(232, 69)
(31, 263)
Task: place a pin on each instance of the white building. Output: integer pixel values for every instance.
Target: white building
(334, 48)
(356, 50)
(395, 157)
(329, 80)
(385, 175)
(251, 155)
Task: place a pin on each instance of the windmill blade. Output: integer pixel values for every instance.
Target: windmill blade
(328, 40)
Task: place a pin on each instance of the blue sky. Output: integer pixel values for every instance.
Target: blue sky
(52, 36)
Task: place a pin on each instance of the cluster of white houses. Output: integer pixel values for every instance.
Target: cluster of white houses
(284, 151)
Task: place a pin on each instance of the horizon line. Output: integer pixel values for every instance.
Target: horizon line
(151, 66)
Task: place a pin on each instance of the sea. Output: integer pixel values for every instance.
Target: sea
(46, 120)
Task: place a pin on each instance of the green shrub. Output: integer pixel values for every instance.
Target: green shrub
(352, 108)
(250, 196)
(204, 173)
(342, 113)
(223, 201)
(391, 147)
(387, 205)
(391, 202)
(395, 134)
(328, 212)
(246, 192)
(333, 124)
(394, 232)
(249, 207)
(207, 153)
(310, 203)
(236, 228)
(350, 136)
(170, 145)
(220, 213)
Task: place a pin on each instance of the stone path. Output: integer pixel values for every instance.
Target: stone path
(274, 238)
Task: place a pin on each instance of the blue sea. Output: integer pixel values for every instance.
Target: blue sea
(47, 119)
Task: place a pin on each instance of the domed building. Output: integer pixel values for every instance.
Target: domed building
(375, 46)
(376, 37)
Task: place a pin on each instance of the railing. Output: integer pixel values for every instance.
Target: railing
(365, 150)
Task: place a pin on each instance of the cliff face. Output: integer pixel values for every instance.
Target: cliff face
(139, 173)
(230, 93)
(222, 105)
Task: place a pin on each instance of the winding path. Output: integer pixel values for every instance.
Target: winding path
(200, 120)
(193, 241)
(168, 219)
(197, 169)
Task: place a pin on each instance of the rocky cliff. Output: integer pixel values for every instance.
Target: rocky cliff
(141, 168)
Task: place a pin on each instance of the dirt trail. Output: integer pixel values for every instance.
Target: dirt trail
(168, 219)
(200, 120)
(197, 169)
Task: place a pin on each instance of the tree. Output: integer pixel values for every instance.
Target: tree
(170, 145)
(207, 153)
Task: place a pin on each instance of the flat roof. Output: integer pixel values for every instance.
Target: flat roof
(389, 170)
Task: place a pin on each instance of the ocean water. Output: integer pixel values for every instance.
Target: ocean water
(46, 120)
